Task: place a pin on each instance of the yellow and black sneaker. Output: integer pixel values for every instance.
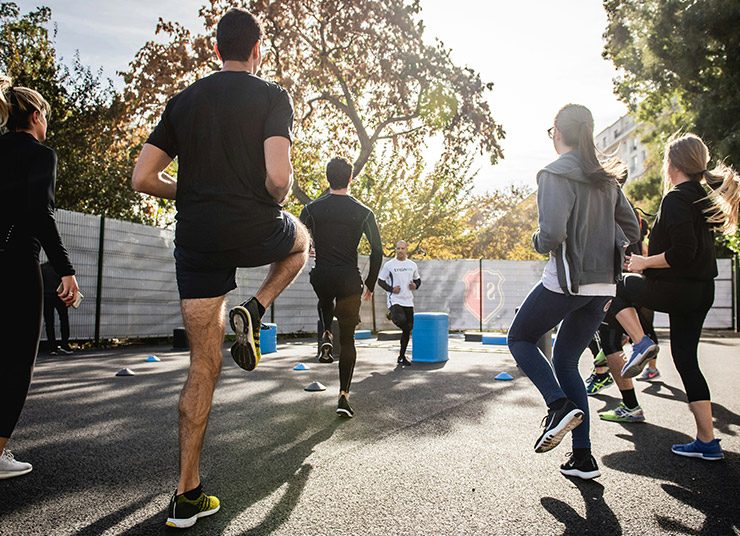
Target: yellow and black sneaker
(245, 321)
(184, 512)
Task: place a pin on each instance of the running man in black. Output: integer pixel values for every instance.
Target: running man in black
(231, 133)
(337, 222)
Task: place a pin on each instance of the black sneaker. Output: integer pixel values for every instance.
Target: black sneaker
(54, 351)
(245, 321)
(400, 359)
(326, 348)
(584, 467)
(405, 362)
(343, 407)
(557, 423)
(65, 350)
(184, 513)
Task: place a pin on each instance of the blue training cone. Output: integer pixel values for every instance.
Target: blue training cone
(153, 359)
(504, 376)
(301, 366)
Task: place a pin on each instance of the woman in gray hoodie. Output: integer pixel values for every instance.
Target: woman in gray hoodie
(584, 223)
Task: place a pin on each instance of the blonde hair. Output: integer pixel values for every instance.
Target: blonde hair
(17, 104)
(689, 154)
(576, 125)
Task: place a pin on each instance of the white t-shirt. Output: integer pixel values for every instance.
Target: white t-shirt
(550, 282)
(399, 274)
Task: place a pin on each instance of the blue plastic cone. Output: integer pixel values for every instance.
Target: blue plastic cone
(504, 376)
(301, 366)
(153, 359)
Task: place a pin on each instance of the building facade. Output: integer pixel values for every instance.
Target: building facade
(622, 139)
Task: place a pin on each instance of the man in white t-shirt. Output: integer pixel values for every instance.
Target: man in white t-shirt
(400, 277)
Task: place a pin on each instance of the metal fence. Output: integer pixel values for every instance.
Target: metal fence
(127, 273)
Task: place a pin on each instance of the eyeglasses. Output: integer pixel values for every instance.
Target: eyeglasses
(550, 132)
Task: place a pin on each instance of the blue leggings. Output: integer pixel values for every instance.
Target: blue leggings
(541, 311)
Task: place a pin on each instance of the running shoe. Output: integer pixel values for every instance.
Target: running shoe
(184, 513)
(597, 382)
(10, 467)
(642, 352)
(623, 414)
(600, 359)
(245, 321)
(65, 351)
(649, 374)
(584, 467)
(404, 362)
(343, 407)
(698, 449)
(326, 349)
(556, 424)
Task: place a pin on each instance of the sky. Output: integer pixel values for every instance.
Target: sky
(540, 54)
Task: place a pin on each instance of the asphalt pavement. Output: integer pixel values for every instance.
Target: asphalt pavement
(434, 449)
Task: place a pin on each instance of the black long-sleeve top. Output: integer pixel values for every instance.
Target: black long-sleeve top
(681, 232)
(337, 223)
(29, 173)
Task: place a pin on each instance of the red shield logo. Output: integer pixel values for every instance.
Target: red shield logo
(486, 299)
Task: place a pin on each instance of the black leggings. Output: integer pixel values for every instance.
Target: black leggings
(51, 304)
(20, 333)
(403, 317)
(339, 291)
(687, 303)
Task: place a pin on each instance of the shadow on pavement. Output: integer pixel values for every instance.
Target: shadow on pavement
(711, 488)
(599, 518)
(92, 435)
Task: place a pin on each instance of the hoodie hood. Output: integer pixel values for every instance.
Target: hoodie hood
(568, 166)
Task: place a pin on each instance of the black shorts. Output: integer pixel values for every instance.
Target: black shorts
(209, 274)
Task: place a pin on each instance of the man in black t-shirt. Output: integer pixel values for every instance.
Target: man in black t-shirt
(231, 133)
(337, 222)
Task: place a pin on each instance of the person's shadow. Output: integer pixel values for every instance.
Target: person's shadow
(712, 488)
(599, 518)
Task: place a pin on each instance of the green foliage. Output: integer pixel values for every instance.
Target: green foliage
(679, 64)
(93, 146)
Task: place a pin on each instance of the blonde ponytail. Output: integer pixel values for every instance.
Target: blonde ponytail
(18, 103)
(5, 84)
(725, 197)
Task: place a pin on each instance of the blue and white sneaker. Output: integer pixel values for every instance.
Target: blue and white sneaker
(642, 352)
(698, 449)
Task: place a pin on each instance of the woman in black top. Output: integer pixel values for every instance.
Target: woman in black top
(679, 273)
(26, 224)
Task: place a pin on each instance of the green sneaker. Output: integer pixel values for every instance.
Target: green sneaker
(600, 359)
(183, 512)
(594, 383)
(622, 414)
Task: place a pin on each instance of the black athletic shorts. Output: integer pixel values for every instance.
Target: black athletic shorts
(209, 274)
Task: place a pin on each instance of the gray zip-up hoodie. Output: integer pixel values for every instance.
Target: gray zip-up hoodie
(581, 225)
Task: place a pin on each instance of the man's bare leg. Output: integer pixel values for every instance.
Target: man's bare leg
(204, 324)
(615, 362)
(630, 321)
(282, 273)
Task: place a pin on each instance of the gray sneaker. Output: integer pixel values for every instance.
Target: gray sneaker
(10, 467)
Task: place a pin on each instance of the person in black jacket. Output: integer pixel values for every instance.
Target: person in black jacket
(337, 222)
(53, 303)
(678, 274)
(26, 224)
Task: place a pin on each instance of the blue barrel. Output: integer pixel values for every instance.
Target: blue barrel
(430, 337)
(268, 338)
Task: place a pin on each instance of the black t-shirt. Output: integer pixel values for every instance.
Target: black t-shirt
(681, 232)
(337, 223)
(217, 128)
